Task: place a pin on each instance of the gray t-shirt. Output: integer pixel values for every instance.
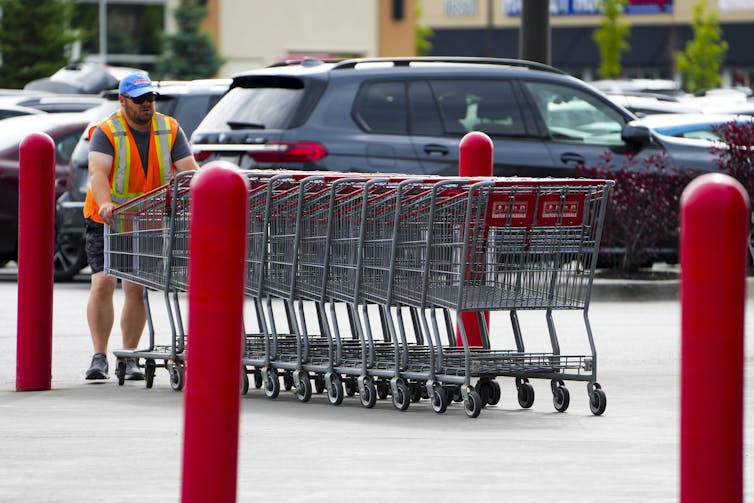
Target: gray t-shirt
(101, 143)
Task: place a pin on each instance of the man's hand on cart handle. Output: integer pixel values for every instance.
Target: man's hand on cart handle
(106, 212)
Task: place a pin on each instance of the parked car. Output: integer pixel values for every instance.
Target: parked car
(65, 129)
(47, 102)
(693, 126)
(643, 104)
(188, 102)
(407, 115)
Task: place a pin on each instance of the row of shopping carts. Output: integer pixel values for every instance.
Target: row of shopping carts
(380, 287)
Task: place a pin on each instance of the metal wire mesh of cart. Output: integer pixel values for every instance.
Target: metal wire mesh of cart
(503, 244)
(148, 241)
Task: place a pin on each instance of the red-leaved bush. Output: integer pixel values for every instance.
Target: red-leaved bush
(641, 223)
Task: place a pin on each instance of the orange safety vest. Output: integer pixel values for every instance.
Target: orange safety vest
(127, 179)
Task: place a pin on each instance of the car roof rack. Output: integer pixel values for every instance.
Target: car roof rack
(406, 61)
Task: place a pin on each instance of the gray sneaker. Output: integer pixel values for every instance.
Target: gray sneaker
(133, 372)
(98, 369)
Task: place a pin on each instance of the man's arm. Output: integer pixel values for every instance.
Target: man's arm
(186, 164)
(99, 170)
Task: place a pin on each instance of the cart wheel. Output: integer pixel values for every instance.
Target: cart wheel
(244, 381)
(597, 401)
(176, 377)
(383, 390)
(257, 378)
(439, 399)
(369, 395)
(473, 404)
(457, 396)
(149, 369)
(120, 371)
(319, 384)
(416, 393)
(351, 386)
(287, 381)
(525, 395)
(304, 388)
(561, 398)
(402, 398)
(484, 390)
(494, 397)
(335, 393)
(272, 384)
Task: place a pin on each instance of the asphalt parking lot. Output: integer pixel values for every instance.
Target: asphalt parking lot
(82, 441)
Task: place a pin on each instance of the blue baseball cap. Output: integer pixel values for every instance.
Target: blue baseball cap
(136, 84)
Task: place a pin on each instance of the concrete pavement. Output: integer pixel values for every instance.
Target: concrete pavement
(83, 441)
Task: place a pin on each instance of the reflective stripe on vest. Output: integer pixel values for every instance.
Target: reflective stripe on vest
(162, 135)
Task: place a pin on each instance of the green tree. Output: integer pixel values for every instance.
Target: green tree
(699, 64)
(189, 53)
(423, 33)
(611, 37)
(35, 39)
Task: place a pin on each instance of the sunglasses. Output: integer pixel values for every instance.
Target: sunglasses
(150, 97)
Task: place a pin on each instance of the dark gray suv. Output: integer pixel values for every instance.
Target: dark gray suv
(407, 115)
(188, 102)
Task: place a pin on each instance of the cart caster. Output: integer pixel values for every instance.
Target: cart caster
(368, 395)
(597, 400)
(287, 381)
(439, 399)
(383, 390)
(149, 370)
(257, 378)
(303, 387)
(561, 397)
(120, 371)
(244, 381)
(457, 395)
(486, 390)
(416, 393)
(176, 376)
(525, 393)
(401, 395)
(319, 384)
(472, 404)
(351, 386)
(335, 390)
(272, 384)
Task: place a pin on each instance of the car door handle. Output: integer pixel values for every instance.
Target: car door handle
(570, 157)
(434, 149)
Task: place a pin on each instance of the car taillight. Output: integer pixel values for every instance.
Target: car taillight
(201, 155)
(302, 151)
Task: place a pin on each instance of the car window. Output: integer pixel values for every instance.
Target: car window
(190, 111)
(572, 115)
(381, 108)
(478, 105)
(255, 108)
(65, 145)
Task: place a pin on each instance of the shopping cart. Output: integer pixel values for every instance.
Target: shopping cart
(361, 282)
(147, 244)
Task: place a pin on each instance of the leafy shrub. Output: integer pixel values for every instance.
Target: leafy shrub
(643, 210)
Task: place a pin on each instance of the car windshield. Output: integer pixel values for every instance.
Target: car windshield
(254, 108)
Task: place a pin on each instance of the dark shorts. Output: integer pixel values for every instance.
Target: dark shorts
(95, 245)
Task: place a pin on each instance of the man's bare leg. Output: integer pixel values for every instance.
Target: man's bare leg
(100, 312)
(133, 318)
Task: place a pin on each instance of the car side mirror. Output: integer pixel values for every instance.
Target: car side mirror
(636, 136)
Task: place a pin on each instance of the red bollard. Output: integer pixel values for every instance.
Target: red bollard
(36, 231)
(715, 216)
(217, 251)
(475, 159)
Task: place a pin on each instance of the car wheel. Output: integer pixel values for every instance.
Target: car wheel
(69, 258)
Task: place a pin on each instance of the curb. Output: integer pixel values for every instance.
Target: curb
(611, 290)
